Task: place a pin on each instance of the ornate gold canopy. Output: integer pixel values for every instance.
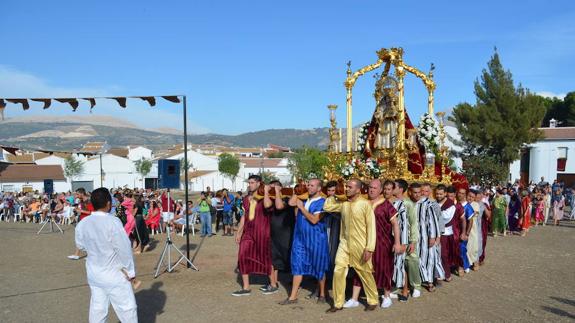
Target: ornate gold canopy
(385, 143)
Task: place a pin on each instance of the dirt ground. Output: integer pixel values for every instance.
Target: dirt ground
(524, 279)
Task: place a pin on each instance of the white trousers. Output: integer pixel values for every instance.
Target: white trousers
(122, 299)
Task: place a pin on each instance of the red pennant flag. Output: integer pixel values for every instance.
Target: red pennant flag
(47, 102)
(73, 102)
(172, 98)
(92, 102)
(121, 101)
(150, 99)
(24, 102)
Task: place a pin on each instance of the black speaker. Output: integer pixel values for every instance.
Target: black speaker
(48, 186)
(168, 173)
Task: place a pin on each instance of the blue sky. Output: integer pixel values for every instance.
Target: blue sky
(253, 65)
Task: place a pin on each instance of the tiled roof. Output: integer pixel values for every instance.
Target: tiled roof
(558, 133)
(120, 152)
(30, 173)
(27, 158)
(261, 162)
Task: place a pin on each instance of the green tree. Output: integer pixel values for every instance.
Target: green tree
(143, 167)
(184, 167)
(562, 110)
(503, 119)
(229, 165)
(307, 162)
(73, 167)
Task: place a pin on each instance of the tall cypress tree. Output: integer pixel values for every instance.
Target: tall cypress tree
(503, 119)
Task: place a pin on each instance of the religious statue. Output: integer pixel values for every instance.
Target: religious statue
(383, 127)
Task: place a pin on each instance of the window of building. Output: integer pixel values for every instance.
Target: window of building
(561, 158)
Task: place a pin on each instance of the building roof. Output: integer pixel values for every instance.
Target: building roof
(26, 158)
(558, 133)
(279, 148)
(120, 152)
(93, 147)
(199, 173)
(30, 173)
(261, 162)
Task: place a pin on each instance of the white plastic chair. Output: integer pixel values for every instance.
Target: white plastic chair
(66, 215)
(192, 222)
(18, 215)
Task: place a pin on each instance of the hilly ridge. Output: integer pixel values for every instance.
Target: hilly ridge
(70, 135)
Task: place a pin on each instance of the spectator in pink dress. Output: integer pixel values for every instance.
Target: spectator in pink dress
(128, 203)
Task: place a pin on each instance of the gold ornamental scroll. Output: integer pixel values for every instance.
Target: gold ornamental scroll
(349, 84)
(427, 82)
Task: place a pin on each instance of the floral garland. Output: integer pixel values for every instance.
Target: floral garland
(357, 167)
(427, 132)
(362, 136)
(373, 167)
(349, 168)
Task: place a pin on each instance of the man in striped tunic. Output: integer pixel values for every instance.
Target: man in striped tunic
(399, 260)
(438, 272)
(428, 233)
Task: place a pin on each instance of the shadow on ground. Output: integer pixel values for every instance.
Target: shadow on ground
(151, 302)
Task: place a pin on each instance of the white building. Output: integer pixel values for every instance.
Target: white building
(204, 172)
(278, 167)
(116, 172)
(30, 177)
(551, 157)
(139, 152)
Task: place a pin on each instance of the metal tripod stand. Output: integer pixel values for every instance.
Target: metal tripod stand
(50, 219)
(170, 245)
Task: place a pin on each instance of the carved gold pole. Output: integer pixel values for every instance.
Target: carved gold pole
(349, 130)
(402, 153)
(340, 148)
(333, 133)
(430, 89)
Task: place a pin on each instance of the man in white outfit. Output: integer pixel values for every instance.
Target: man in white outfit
(109, 264)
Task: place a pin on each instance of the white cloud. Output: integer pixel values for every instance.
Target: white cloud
(551, 95)
(19, 84)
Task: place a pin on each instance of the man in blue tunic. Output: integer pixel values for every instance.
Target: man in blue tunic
(310, 252)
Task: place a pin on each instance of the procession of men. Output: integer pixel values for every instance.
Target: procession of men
(402, 237)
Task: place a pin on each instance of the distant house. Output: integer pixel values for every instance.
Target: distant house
(27, 177)
(204, 171)
(116, 172)
(552, 157)
(276, 166)
(139, 152)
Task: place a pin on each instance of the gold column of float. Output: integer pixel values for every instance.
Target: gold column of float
(349, 129)
(402, 152)
(430, 88)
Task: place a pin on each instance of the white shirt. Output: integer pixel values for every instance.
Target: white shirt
(103, 237)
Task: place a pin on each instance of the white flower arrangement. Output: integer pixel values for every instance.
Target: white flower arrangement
(428, 131)
(348, 168)
(373, 167)
(362, 136)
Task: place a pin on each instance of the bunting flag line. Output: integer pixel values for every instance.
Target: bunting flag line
(74, 102)
(14, 150)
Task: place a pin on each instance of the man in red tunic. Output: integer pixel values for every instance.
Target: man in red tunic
(449, 242)
(253, 236)
(387, 241)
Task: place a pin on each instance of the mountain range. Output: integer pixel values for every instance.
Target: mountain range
(53, 133)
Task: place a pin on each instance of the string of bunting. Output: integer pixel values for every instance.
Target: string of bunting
(14, 150)
(74, 102)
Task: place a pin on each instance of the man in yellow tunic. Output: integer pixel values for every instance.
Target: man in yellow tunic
(356, 245)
